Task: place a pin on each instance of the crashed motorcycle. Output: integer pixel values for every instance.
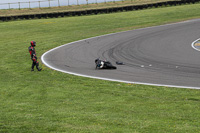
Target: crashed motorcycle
(100, 64)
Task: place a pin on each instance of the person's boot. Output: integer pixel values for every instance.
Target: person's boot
(32, 69)
(39, 69)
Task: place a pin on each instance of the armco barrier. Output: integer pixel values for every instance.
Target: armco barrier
(96, 11)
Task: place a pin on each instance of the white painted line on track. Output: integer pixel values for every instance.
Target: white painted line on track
(116, 80)
(193, 43)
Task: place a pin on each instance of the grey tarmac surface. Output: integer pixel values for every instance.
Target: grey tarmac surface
(160, 55)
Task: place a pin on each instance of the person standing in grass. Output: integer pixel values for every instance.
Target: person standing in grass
(33, 56)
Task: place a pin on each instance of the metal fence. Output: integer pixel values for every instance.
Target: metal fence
(50, 3)
(96, 11)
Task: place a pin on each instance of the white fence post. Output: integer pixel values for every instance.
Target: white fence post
(49, 3)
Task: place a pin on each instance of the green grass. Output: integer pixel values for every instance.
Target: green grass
(51, 101)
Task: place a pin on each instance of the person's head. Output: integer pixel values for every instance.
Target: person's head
(96, 60)
(33, 43)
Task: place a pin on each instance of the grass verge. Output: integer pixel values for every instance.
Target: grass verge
(50, 101)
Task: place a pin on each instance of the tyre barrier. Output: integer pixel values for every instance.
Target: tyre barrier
(96, 11)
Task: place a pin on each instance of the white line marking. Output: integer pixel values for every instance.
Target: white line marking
(116, 80)
(193, 43)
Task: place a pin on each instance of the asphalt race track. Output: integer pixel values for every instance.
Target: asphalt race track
(160, 55)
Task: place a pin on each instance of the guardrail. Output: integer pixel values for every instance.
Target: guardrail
(97, 11)
(28, 4)
(48, 3)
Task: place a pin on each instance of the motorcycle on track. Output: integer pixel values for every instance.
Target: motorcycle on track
(100, 64)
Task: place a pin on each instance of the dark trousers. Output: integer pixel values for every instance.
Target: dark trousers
(35, 63)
